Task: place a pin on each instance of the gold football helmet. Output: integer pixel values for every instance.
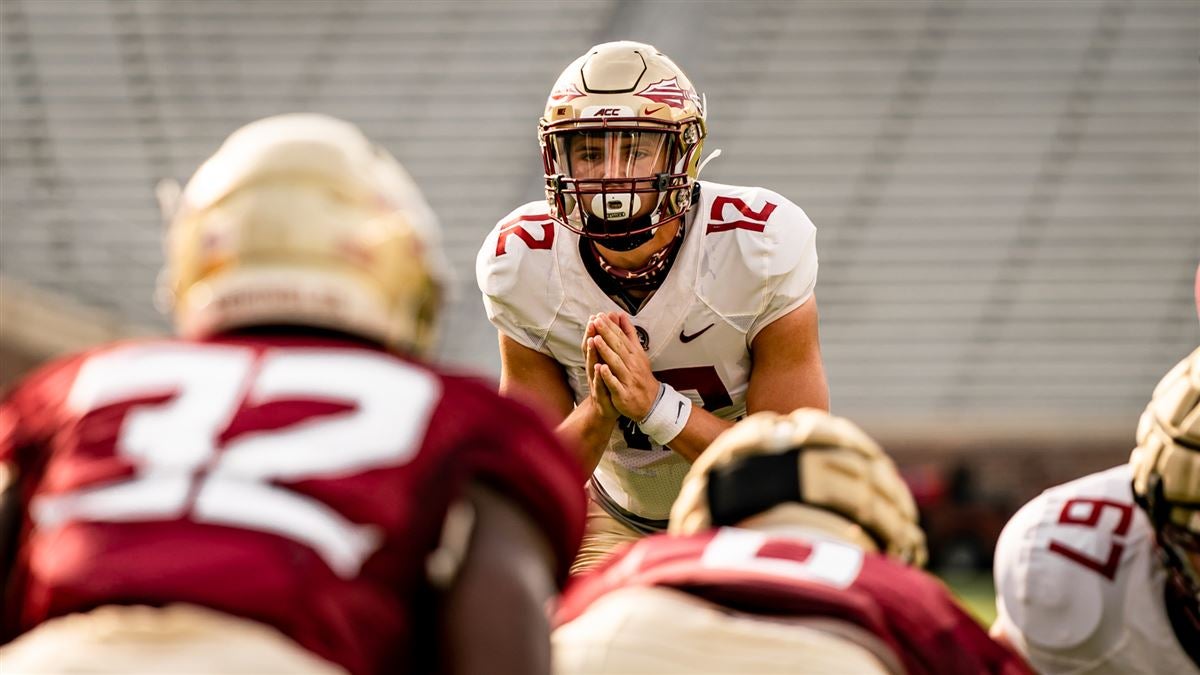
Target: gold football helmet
(1166, 469)
(300, 220)
(807, 469)
(621, 139)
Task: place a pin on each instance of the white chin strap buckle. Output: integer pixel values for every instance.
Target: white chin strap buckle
(616, 206)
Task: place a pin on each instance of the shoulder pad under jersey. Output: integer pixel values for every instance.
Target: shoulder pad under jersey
(761, 254)
(1059, 561)
(517, 272)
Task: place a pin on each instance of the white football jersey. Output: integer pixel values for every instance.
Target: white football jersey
(748, 257)
(1079, 586)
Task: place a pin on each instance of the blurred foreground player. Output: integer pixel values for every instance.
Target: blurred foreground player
(791, 550)
(283, 489)
(1095, 577)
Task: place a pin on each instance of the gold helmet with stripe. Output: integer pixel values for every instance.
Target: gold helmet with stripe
(621, 138)
(299, 220)
(1166, 470)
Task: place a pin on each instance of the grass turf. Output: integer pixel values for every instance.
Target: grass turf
(976, 592)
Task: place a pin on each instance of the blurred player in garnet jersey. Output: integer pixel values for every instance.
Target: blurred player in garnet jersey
(792, 549)
(285, 487)
(1095, 576)
(647, 310)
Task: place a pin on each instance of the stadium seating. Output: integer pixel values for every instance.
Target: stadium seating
(1006, 192)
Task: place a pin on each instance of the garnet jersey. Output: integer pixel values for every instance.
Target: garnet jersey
(1079, 588)
(748, 257)
(300, 482)
(805, 575)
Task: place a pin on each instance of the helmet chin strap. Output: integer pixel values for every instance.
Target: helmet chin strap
(647, 276)
(625, 243)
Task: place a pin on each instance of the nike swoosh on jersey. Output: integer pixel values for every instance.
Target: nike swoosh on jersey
(685, 338)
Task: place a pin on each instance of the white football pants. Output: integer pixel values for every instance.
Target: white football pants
(603, 534)
(667, 632)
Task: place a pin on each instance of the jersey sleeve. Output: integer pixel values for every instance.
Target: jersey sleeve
(512, 450)
(517, 276)
(1011, 559)
(760, 256)
(1051, 607)
(790, 265)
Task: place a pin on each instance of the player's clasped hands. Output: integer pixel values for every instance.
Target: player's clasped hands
(618, 368)
(600, 395)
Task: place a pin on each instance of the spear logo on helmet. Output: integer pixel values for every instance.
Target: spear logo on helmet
(668, 92)
(567, 94)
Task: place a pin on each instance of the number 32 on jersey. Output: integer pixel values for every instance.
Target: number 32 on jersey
(183, 398)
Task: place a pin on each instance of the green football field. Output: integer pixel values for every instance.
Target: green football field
(976, 592)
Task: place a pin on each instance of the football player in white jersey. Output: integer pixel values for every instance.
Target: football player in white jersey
(646, 309)
(1096, 577)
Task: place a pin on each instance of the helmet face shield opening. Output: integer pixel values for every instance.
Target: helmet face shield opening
(611, 183)
(621, 137)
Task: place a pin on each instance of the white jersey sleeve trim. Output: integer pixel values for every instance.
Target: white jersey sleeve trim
(1067, 567)
(761, 260)
(792, 279)
(518, 276)
(1035, 605)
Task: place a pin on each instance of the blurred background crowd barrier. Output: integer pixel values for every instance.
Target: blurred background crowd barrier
(1007, 193)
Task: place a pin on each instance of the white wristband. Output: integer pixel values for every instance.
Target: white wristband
(667, 416)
